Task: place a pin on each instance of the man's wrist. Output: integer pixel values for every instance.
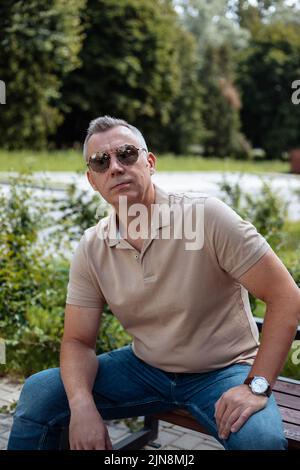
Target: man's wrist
(81, 400)
(258, 385)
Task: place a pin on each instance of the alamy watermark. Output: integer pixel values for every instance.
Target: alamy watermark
(295, 358)
(296, 94)
(178, 221)
(2, 351)
(2, 92)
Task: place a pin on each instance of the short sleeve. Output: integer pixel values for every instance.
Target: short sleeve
(82, 288)
(235, 241)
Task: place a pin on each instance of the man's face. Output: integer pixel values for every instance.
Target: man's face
(137, 175)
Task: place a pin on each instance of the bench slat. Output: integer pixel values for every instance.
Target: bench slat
(290, 416)
(292, 433)
(288, 388)
(181, 418)
(287, 401)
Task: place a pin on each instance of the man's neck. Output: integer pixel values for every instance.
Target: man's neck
(124, 219)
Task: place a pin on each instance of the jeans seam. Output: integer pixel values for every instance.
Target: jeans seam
(192, 405)
(139, 404)
(57, 418)
(133, 403)
(43, 437)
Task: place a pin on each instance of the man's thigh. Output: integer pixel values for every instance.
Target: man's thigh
(124, 386)
(263, 430)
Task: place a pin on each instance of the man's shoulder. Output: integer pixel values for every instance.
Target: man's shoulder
(213, 204)
(187, 197)
(96, 232)
(214, 208)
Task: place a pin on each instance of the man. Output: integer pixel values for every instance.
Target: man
(195, 342)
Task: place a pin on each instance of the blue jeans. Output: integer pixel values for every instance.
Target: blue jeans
(126, 386)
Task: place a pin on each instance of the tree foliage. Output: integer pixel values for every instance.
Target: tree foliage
(218, 39)
(267, 70)
(39, 44)
(130, 66)
(186, 127)
(183, 71)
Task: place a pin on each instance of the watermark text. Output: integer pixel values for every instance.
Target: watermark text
(177, 221)
(2, 351)
(296, 94)
(2, 92)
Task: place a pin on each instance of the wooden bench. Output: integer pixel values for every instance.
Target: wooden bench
(286, 392)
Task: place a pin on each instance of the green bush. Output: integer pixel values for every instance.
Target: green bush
(33, 277)
(30, 283)
(266, 211)
(294, 269)
(79, 211)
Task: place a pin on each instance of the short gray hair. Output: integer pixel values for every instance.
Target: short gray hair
(104, 123)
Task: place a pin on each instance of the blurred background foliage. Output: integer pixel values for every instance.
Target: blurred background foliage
(216, 75)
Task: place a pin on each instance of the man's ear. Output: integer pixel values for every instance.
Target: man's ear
(151, 158)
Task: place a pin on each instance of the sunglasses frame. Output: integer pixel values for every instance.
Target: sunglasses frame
(99, 154)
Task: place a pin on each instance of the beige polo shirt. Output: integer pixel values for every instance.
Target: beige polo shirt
(184, 308)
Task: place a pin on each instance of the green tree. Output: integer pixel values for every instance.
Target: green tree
(267, 70)
(39, 44)
(222, 106)
(130, 67)
(186, 126)
(219, 39)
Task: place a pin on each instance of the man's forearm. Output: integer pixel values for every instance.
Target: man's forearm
(79, 366)
(279, 329)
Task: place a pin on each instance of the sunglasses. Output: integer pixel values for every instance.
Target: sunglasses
(126, 154)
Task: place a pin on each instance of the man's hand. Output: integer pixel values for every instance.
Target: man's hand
(87, 431)
(234, 407)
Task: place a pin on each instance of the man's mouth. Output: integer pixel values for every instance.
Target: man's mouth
(121, 185)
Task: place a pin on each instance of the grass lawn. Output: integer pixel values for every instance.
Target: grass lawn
(71, 160)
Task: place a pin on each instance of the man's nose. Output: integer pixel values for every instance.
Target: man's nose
(115, 166)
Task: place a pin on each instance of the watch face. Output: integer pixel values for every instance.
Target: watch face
(259, 385)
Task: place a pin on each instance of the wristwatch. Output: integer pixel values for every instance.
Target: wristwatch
(259, 385)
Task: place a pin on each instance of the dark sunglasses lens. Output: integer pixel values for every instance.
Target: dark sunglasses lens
(128, 154)
(100, 163)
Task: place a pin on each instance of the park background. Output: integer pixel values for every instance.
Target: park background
(210, 84)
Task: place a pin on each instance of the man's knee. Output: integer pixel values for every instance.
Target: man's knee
(273, 441)
(41, 392)
(262, 439)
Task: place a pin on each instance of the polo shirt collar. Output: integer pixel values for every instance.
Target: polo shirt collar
(161, 197)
